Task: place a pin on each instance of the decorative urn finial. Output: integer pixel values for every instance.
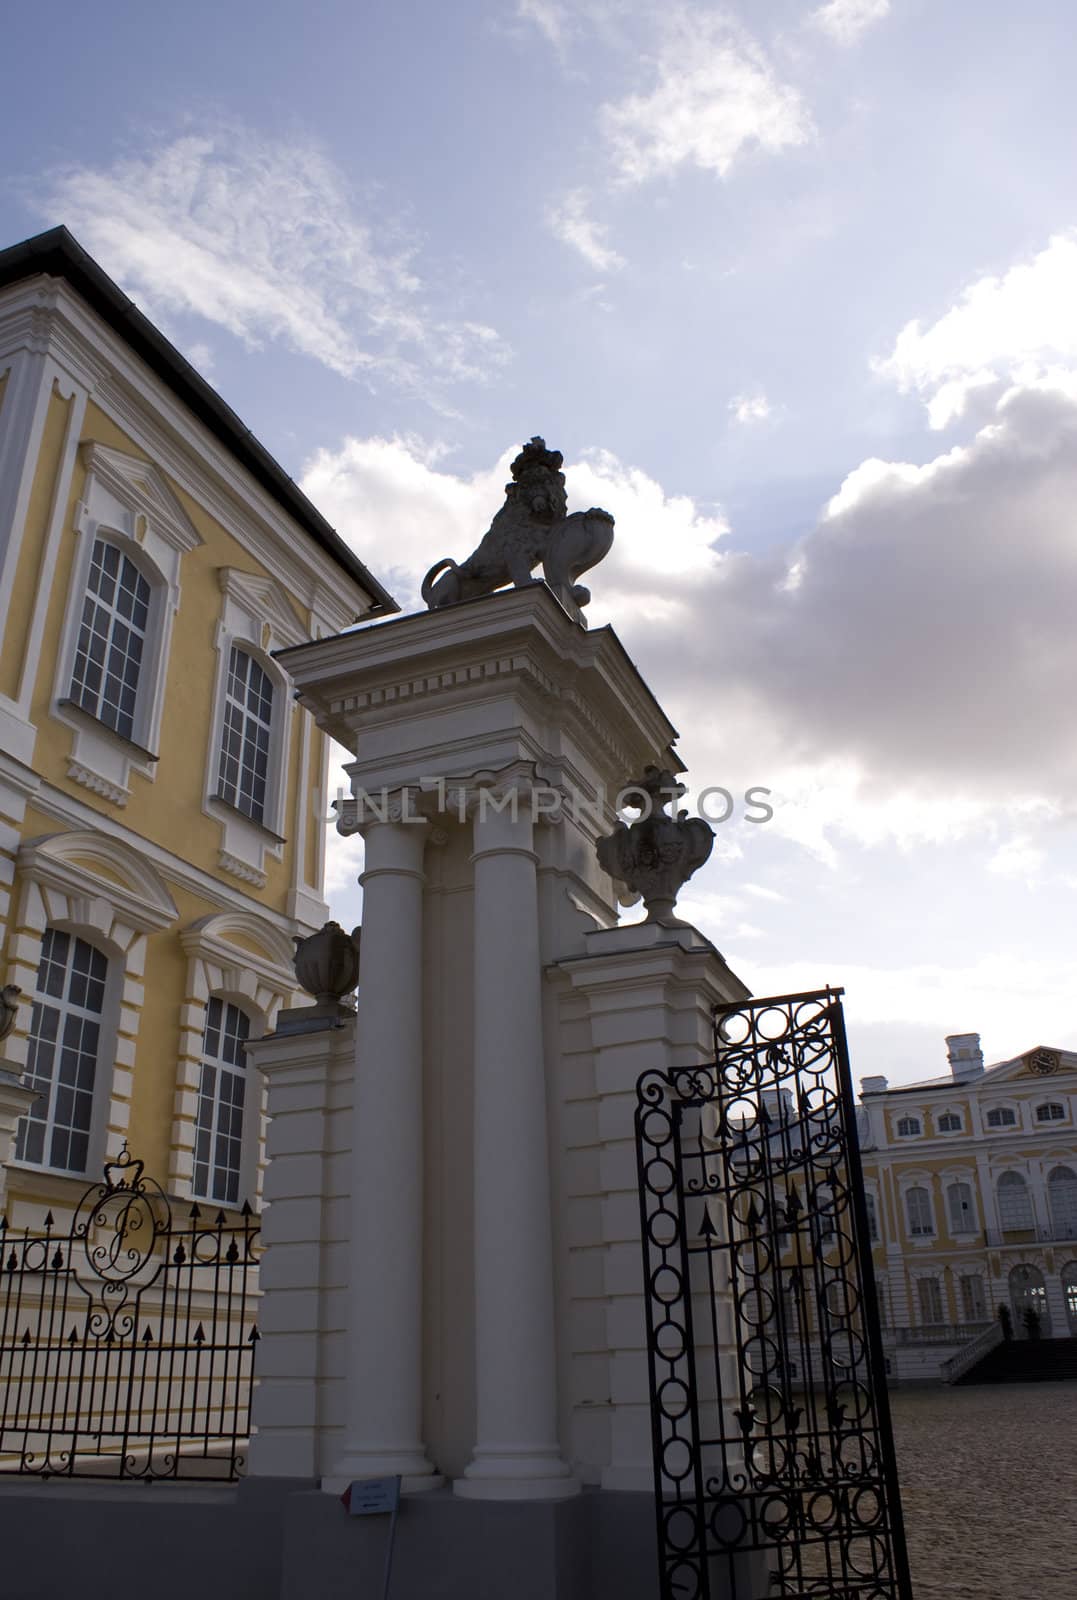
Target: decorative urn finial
(657, 854)
(9, 1008)
(327, 963)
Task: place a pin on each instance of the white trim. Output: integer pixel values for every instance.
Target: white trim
(27, 394)
(256, 618)
(125, 503)
(160, 424)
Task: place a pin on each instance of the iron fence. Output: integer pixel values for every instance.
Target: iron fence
(127, 1337)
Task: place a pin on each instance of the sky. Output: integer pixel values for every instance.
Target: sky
(793, 286)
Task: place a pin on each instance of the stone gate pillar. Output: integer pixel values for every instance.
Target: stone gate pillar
(516, 1455)
(383, 1416)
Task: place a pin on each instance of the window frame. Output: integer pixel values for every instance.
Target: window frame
(948, 1133)
(1051, 1105)
(256, 620)
(107, 1021)
(1012, 1180)
(914, 1132)
(1002, 1112)
(919, 1187)
(125, 504)
(956, 1182)
(223, 1068)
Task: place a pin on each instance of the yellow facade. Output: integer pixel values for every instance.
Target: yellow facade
(156, 808)
(972, 1186)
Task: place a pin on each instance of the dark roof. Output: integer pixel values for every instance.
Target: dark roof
(58, 252)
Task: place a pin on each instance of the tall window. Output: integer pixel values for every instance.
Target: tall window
(248, 725)
(973, 1303)
(1014, 1202)
(918, 1210)
(1001, 1117)
(1062, 1199)
(65, 1035)
(112, 634)
(873, 1216)
(930, 1295)
(218, 1142)
(959, 1206)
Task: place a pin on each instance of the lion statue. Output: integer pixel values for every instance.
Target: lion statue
(532, 526)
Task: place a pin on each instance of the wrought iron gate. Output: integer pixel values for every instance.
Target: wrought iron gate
(774, 1457)
(127, 1339)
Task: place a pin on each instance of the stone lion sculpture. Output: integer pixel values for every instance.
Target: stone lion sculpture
(532, 526)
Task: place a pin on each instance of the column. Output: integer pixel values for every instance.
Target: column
(383, 1416)
(517, 1455)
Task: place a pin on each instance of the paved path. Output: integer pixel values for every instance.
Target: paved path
(989, 1487)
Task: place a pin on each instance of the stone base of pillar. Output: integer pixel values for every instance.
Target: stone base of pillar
(499, 1475)
(417, 1474)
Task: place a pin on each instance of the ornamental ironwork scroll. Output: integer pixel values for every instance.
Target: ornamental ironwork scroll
(774, 1457)
(127, 1337)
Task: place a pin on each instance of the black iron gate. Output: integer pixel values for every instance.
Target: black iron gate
(127, 1338)
(774, 1457)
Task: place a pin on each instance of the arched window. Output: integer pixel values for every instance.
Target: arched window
(218, 1142)
(1051, 1112)
(959, 1208)
(112, 636)
(908, 1127)
(918, 1211)
(1028, 1292)
(246, 735)
(65, 1037)
(1069, 1294)
(1062, 1200)
(1001, 1117)
(1014, 1202)
(949, 1122)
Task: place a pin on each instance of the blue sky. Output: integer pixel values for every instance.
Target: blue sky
(794, 288)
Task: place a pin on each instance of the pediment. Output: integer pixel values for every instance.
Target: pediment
(1039, 1063)
(273, 619)
(244, 939)
(143, 491)
(87, 863)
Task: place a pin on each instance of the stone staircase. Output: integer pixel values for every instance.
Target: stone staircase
(1025, 1361)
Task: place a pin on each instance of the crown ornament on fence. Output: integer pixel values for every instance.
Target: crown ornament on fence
(327, 963)
(657, 854)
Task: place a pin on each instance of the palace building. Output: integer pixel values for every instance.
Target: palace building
(971, 1183)
(162, 796)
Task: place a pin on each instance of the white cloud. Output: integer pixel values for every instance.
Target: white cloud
(846, 20)
(1017, 327)
(1018, 858)
(748, 408)
(715, 97)
(569, 221)
(262, 237)
(552, 20)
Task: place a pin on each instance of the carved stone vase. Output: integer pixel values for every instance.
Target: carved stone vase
(656, 855)
(327, 963)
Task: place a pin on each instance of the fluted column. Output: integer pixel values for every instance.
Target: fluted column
(383, 1427)
(516, 1455)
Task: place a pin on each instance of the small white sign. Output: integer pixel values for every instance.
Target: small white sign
(369, 1497)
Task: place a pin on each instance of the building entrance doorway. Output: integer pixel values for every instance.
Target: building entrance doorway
(1029, 1292)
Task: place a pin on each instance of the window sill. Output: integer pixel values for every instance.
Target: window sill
(234, 810)
(102, 727)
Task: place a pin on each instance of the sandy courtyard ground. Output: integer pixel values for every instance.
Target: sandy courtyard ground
(989, 1487)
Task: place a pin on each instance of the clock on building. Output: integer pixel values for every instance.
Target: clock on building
(1044, 1061)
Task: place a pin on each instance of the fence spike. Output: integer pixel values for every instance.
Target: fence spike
(50, 1220)
(200, 1335)
(195, 1212)
(25, 1340)
(147, 1337)
(219, 1220)
(73, 1337)
(254, 1336)
(247, 1210)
